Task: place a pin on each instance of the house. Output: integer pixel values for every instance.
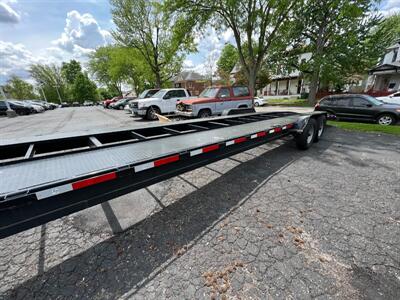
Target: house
(190, 80)
(288, 83)
(386, 75)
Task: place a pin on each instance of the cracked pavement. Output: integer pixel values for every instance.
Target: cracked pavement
(270, 223)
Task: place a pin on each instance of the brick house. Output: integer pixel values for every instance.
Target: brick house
(192, 81)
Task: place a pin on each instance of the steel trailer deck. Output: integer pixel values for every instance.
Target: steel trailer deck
(44, 179)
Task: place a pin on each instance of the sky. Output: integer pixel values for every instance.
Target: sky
(52, 31)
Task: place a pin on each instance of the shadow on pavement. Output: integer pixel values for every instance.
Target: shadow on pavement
(129, 260)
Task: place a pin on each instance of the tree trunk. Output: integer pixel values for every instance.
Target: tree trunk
(158, 80)
(313, 86)
(252, 83)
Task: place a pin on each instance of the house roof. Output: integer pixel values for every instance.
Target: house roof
(394, 66)
(187, 76)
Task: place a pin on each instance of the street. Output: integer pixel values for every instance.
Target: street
(271, 222)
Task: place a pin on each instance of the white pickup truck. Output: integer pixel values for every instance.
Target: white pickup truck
(162, 102)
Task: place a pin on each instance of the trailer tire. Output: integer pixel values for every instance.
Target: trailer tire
(305, 139)
(321, 123)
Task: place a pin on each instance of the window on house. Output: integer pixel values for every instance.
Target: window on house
(394, 58)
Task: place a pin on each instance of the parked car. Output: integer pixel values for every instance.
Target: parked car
(20, 109)
(359, 107)
(75, 104)
(120, 104)
(258, 101)
(106, 103)
(214, 100)
(65, 104)
(393, 98)
(37, 107)
(162, 102)
(88, 103)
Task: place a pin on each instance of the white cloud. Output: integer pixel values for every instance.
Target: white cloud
(392, 4)
(8, 14)
(82, 34)
(15, 60)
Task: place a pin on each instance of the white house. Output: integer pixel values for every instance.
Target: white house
(386, 75)
(287, 83)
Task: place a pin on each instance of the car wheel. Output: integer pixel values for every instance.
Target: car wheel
(256, 104)
(386, 119)
(305, 139)
(151, 113)
(321, 122)
(204, 113)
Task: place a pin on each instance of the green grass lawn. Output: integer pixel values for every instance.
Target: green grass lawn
(289, 102)
(366, 127)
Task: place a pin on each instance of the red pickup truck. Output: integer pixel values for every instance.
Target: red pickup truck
(214, 100)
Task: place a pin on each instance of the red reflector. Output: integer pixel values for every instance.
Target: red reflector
(240, 140)
(166, 160)
(262, 133)
(288, 126)
(210, 148)
(277, 129)
(93, 180)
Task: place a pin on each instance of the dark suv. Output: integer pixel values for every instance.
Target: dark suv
(359, 107)
(18, 108)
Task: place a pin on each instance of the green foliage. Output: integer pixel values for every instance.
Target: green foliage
(113, 66)
(161, 38)
(100, 65)
(258, 26)
(70, 70)
(340, 38)
(20, 89)
(105, 93)
(83, 88)
(51, 79)
(375, 128)
(227, 61)
(389, 30)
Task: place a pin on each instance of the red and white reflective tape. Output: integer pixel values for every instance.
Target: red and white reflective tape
(75, 185)
(258, 134)
(204, 150)
(157, 163)
(236, 141)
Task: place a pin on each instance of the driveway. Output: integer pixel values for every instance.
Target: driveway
(272, 222)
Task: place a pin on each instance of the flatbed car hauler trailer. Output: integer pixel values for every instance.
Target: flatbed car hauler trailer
(47, 178)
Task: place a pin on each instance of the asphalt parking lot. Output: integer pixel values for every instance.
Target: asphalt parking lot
(269, 223)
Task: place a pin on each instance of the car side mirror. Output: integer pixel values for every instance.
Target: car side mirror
(166, 97)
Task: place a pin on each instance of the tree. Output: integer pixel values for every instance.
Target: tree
(70, 70)
(83, 88)
(339, 37)
(389, 28)
(20, 89)
(100, 65)
(114, 66)
(257, 25)
(162, 39)
(50, 79)
(227, 61)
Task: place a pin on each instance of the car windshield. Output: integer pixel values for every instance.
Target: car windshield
(143, 94)
(209, 93)
(373, 100)
(159, 94)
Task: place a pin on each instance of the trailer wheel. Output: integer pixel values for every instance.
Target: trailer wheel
(305, 139)
(321, 122)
